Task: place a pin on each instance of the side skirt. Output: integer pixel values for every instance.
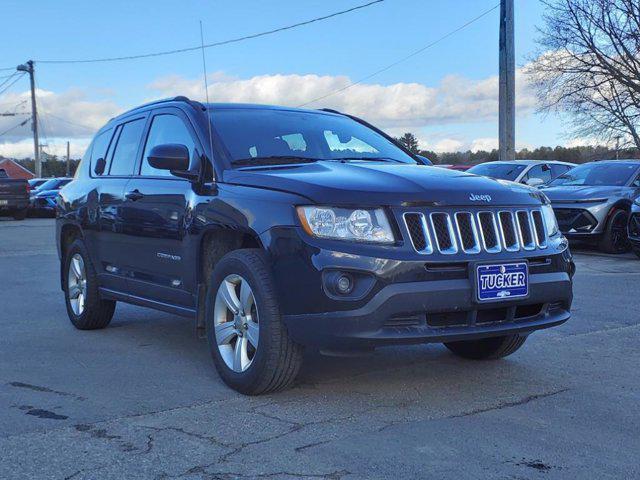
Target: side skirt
(146, 302)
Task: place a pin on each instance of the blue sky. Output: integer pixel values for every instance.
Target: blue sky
(444, 95)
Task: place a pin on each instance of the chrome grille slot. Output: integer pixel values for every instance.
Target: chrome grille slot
(538, 223)
(525, 231)
(489, 231)
(508, 231)
(418, 232)
(469, 241)
(472, 231)
(445, 238)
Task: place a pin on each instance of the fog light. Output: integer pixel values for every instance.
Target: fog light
(344, 284)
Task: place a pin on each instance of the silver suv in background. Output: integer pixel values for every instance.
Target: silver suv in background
(592, 202)
(530, 172)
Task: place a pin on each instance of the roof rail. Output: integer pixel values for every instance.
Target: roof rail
(179, 98)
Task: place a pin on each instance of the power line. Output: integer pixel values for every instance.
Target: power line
(49, 114)
(216, 44)
(14, 127)
(9, 80)
(413, 54)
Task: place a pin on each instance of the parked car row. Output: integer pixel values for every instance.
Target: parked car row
(19, 197)
(596, 203)
(42, 200)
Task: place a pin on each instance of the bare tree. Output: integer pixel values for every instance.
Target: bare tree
(588, 66)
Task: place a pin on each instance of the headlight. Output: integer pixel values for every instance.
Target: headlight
(550, 222)
(364, 225)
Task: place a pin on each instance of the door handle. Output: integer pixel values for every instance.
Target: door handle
(134, 195)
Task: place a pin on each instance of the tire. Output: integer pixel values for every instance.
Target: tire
(615, 238)
(637, 252)
(20, 214)
(96, 313)
(276, 359)
(491, 348)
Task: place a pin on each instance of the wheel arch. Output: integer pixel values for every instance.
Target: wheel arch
(69, 232)
(216, 242)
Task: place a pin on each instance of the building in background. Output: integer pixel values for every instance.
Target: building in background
(14, 169)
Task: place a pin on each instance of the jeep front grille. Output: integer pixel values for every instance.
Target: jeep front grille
(474, 232)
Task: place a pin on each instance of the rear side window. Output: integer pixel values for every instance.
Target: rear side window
(124, 154)
(166, 128)
(100, 146)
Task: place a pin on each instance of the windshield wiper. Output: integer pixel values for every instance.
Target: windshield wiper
(367, 159)
(272, 160)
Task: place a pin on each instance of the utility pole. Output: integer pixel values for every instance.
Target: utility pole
(507, 95)
(28, 67)
(68, 161)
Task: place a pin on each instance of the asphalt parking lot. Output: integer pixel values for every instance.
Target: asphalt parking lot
(142, 400)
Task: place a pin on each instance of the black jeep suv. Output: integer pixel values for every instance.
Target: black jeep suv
(277, 228)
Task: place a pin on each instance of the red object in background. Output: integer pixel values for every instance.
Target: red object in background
(15, 170)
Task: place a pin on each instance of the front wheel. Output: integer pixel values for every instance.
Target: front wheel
(487, 348)
(615, 238)
(85, 308)
(249, 343)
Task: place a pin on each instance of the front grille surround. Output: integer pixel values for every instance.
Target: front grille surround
(471, 231)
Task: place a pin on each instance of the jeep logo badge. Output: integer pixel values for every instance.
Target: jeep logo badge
(479, 198)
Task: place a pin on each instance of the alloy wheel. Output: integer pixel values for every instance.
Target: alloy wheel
(236, 323)
(77, 284)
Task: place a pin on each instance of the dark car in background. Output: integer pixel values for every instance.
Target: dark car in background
(530, 172)
(592, 202)
(14, 196)
(277, 228)
(43, 198)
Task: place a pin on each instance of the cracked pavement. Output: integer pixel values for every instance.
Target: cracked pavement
(142, 400)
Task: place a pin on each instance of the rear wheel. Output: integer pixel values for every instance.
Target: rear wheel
(487, 348)
(615, 238)
(249, 343)
(86, 310)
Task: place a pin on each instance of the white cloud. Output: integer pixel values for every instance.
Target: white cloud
(55, 146)
(401, 105)
(487, 144)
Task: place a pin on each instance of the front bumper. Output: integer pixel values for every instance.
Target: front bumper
(436, 311)
(408, 298)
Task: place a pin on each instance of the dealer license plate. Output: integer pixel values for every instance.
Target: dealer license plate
(502, 281)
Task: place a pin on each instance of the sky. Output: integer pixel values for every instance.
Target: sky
(447, 95)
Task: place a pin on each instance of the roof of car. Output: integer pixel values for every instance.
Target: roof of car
(221, 106)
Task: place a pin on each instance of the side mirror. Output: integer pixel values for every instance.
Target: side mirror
(101, 164)
(534, 182)
(169, 156)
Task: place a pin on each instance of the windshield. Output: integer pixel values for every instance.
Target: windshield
(597, 174)
(503, 171)
(271, 137)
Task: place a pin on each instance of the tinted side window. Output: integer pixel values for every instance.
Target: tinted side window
(100, 147)
(539, 171)
(165, 128)
(124, 155)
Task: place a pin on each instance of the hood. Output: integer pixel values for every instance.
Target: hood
(370, 184)
(568, 194)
